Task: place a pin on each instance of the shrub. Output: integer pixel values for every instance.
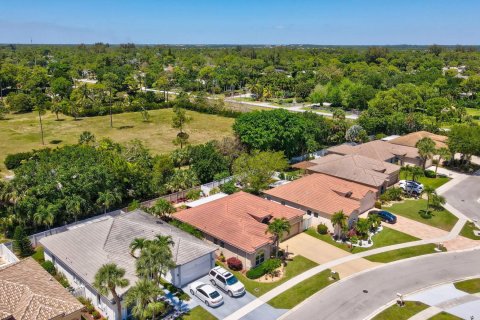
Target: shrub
(267, 267)
(378, 205)
(21, 242)
(13, 161)
(96, 314)
(322, 228)
(193, 194)
(392, 194)
(221, 257)
(234, 264)
(228, 187)
(255, 273)
(430, 174)
(213, 191)
(135, 204)
(48, 265)
(187, 228)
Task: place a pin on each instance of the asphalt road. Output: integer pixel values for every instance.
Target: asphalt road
(348, 299)
(466, 197)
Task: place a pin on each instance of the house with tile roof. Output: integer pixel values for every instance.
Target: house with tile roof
(237, 224)
(382, 151)
(79, 252)
(320, 196)
(28, 292)
(355, 168)
(411, 139)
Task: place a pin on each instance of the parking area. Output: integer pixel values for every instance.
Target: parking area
(465, 197)
(232, 304)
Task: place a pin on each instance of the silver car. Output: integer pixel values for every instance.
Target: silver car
(206, 293)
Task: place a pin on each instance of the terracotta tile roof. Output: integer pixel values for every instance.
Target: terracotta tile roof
(235, 219)
(411, 139)
(27, 291)
(355, 168)
(323, 193)
(303, 164)
(378, 149)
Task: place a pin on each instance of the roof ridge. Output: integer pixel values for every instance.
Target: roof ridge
(108, 234)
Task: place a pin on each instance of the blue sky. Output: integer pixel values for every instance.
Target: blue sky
(337, 22)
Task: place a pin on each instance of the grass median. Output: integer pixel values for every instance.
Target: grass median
(468, 229)
(470, 286)
(410, 309)
(404, 253)
(301, 291)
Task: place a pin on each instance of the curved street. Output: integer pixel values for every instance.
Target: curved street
(359, 296)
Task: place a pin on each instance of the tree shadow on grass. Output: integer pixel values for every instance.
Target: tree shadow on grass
(125, 127)
(56, 141)
(426, 214)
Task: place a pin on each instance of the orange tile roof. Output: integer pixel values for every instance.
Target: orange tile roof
(234, 219)
(323, 193)
(378, 149)
(411, 139)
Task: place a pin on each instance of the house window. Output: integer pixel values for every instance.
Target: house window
(309, 212)
(222, 244)
(260, 257)
(215, 240)
(315, 215)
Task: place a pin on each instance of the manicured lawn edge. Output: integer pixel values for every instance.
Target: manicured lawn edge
(432, 182)
(384, 238)
(467, 231)
(198, 313)
(301, 291)
(410, 309)
(469, 286)
(295, 267)
(444, 316)
(403, 253)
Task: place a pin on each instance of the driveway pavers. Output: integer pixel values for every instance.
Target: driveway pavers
(416, 229)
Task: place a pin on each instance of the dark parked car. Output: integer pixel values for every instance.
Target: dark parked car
(385, 216)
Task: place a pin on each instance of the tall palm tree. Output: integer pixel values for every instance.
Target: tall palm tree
(137, 244)
(443, 154)
(154, 261)
(417, 172)
(108, 198)
(107, 279)
(362, 227)
(375, 221)
(41, 111)
(143, 298)
(339, 222)
(277, 228)
(429, 192)
(44, 216)
(426, 149)
(162, 208)
(74, 205)
(163, 241)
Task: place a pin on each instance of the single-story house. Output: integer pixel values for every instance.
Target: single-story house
(411, 139)
(321, 195)
(28, 292)
(79, 252)
(382, 151)
(356, 168)
(238, 224)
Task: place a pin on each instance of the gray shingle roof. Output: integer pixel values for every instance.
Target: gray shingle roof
(85, 249)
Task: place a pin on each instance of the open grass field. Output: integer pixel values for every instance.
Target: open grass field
(298, 265)
(21, 132)
(301, 291)
(442, 219)
(386, 237)
(410, 309)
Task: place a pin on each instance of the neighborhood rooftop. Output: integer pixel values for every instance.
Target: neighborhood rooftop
(85, 249)
(411, 139)
(379, 150)
(323, 193)
(28, 292)
(352, 167)
(237, 219)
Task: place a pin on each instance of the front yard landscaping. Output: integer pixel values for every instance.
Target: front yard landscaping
(386, 237)
(293, 268)
(198, 313)
(412, 209)
(467, 231)
(410, 309)
(426, 181)
(404, 253)
(444, 316)
(302, 290)
(470, 286)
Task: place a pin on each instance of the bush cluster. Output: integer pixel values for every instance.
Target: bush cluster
(13, 161)
(322, 228)
(264, 268)
(48, 265)
(430, 174)
(235, 264)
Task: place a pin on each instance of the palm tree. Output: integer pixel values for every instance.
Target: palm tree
(429, 191)
(417, 172)
(107, 279)
(74, 205)
(162, 208)
(362, 227)
(44, 216)
(154, 261)
(137, 244)
(143, 298)
(443, 154)
(339, 222)
(375, 221)
(41, 111)
(164, 241)
(108, 198)
(278, 227)
(426, 149)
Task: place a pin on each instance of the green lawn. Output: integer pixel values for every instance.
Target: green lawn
(386, 237)
(39, 255)
(298, 265)
(404, 253)
(410, 309)
(442, 219)
(467, 231)
(444, 316)
(21, 132)
(432, 182)
(474, 113)
(470, 286)
(198, 313)
(301, 291)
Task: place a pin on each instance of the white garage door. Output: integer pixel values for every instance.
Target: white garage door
(195, 269)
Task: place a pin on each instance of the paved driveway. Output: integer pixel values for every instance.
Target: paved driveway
(416, 229)
(231, 305)
(465, 196)
(322, 252)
